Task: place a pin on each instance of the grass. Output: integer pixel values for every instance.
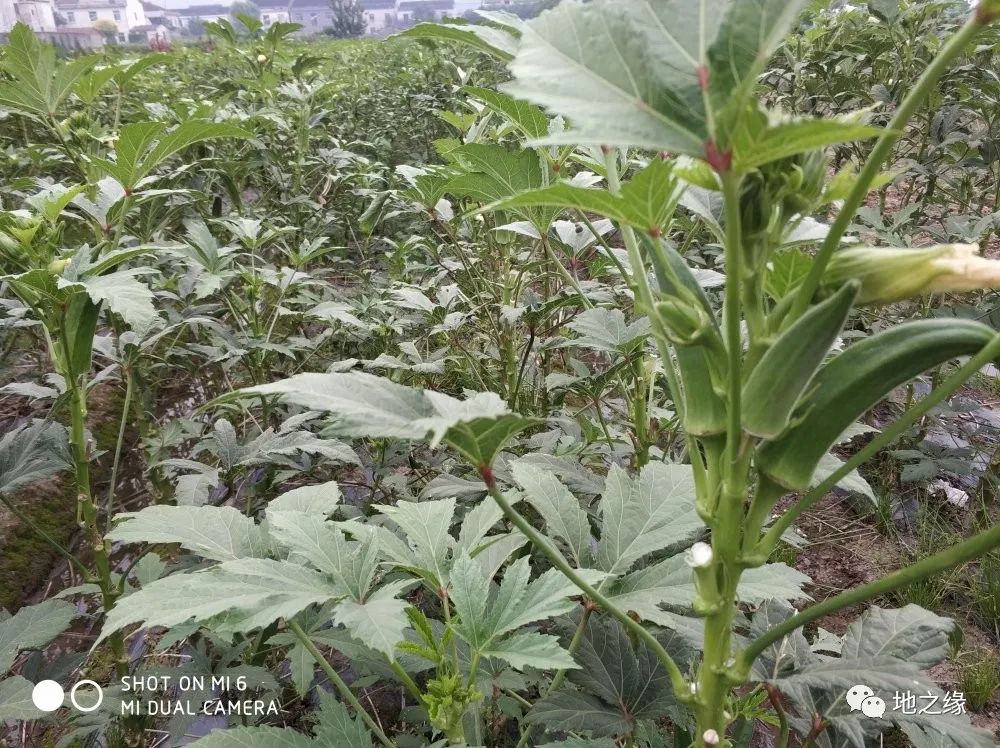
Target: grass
(986, 592)
(979, 677)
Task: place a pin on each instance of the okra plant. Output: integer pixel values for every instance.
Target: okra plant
(681, 615)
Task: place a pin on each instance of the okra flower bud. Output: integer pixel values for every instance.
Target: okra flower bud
(699, 556)
(685, 323)
(56, 267)
(890, 274)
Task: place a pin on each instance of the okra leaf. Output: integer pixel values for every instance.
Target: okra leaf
(187, 134)
(498, 41)
(372, 406)
(885, 10)
(785, 270)
(528, 118)
(645, 514)
(638, 73)
(910, 633)
(336, 726)
(621, 674)
(124, 295)
(15, 699)
(320, 500)
(142, 146)
(531, 649)
(853, 481)
(254, 737)
(779, 140)
(567, 709)
(485, 619)
(426, 526)
(220, 533)
(32, 627)
(820, 686)
(39, 84)
(351, 564)
(235, 597)
(564, 518)
(493, 173)
(946, 734)
(671, 583)
(606, 330)
(32, 452)
(646, 202)
(378, 621)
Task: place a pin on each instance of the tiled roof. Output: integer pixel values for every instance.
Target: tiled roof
(205, 10)
(411, 5)
(89, 4)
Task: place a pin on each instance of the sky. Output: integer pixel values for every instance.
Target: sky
(460, 5)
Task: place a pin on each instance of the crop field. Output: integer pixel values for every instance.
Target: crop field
(624, 377)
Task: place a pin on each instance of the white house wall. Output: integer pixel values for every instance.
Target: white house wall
(35, 14)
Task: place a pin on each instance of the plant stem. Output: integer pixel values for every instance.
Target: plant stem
(677, 679)
(112, 485)
(880, 153)
(520, 371)
(335, 678)
(88, 514)
(946, 559)
(560, 676)
(717, 584)
(408, 682)
(643, 293)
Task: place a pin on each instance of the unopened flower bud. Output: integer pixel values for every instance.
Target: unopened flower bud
(891, 274)
(710, 737)
(56, 267)
(261, 58)
(699, 556)
(685, 323)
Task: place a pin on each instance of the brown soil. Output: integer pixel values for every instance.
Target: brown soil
(844, 551)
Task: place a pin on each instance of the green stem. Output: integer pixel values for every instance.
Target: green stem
(560, 676)
(731, 315)
(779, 709)
(643, 293)
(717, 584)
(109, 502)
(408, 683)
(608, 252)
(565, 274)
(946, 559)
(677, 680)
(880, 153)
(335, 678)
(890, 434)
(87, 511)
(512, 402)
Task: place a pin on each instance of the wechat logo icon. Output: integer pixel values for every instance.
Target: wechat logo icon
(863, 698)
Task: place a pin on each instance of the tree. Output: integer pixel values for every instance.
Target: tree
(244, 8)
(107, 29)
(348, 19)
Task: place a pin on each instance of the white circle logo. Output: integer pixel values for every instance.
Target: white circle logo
(95, 705)
(47, 695)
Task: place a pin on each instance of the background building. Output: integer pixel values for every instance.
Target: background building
(126, 17)
(38, 15)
